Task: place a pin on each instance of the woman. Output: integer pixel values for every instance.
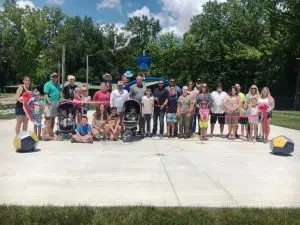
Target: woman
(184, 109)
(253, 93)
(266, 99)
(193, 93)
(100, 122)
(203, 95)
(21, 117)
(232, 104)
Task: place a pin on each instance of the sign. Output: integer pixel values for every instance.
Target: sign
(143, 62)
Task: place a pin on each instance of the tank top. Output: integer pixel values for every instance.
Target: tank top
(20, 104)
(264, 101)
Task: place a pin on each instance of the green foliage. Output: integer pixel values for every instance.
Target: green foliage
(246, 41)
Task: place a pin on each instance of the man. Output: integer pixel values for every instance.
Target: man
(103, 97)
(52, 95)
(137, 92)
(160, 95)
(242, 100)
(118, 97)
(68, 91)
(217, 109)
(107, 80)
(177, 88)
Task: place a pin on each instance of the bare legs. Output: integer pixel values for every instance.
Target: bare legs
(82, 139)
(22, 121)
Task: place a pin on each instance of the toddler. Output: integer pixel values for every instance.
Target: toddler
(47, 132)
(37, 112)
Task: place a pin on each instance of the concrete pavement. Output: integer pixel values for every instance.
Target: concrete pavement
(154, 172)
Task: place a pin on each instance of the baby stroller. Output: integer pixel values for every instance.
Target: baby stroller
(132, 110)
(66, 123)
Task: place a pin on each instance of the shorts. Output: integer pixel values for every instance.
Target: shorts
(50, 111)
(268, 116)
(19, 111)
(232, 118)
(171, 117)
(203, 124)
(217, 116)
(243, 120)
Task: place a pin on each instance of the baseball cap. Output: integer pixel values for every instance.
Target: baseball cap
(107, 74)
(120, 83)
(53, 75)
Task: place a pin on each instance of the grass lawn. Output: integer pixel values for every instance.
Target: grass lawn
(7, 116)
(289, 119)
(146, 215)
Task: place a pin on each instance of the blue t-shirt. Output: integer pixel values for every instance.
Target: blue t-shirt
(84, 129)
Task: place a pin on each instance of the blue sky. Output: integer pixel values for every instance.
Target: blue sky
(174, 15)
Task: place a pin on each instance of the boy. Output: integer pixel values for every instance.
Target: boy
(83, 132)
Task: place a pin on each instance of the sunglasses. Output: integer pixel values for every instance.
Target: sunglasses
(204, 86)
(172, 81)
(254, 88)
(84, 90)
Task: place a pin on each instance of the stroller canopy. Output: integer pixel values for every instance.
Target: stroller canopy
(132, 104)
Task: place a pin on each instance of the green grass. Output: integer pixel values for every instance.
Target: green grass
(7, 116)
(146, 215)
(289, 119)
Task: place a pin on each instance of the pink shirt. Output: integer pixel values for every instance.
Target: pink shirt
(103, 97)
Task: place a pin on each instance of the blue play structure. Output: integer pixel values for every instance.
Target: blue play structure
(147, 79)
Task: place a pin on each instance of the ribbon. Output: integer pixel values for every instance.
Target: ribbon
(264, 109)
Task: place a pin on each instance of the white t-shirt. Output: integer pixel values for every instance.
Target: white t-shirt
(118, 98)
(218, 100)
(147, 104)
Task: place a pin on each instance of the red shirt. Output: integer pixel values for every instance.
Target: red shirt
(103, 97)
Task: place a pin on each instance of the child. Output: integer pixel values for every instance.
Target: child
(114, 125)
(37, 112)
(171, 104)
(100, 122)
(253, 119)
(83, 132)
(85, 97)
(47, 132)
(204, 117)
(244, 120)
(78, 106)
(67, 118)
(147, 110)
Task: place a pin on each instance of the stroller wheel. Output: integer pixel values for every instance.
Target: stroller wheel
(127, 136)
(60, 137)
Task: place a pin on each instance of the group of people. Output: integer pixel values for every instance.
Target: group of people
(187, 110)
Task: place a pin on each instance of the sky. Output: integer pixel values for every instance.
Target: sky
(174, 15)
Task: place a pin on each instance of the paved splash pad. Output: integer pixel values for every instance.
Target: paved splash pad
(153, 172)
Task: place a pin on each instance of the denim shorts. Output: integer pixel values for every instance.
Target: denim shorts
(19, 111)
(171, 118)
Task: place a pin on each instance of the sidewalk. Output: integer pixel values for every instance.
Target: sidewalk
(154, 172)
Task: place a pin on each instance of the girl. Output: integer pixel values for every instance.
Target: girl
(78, 106)
(204, 117)
(147, 110)
(100, 120)
(253, 119)
(171, 104)
(267, 99)
(244, 120)
(47, 132)
(232, 105)
(114, 125)
(37, 112)
(85, 98)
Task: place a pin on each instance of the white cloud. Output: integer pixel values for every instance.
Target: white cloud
(25, 3)
(110, 4)
(58, 2)
(176, 15)
(1, 9)
(140, 12)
